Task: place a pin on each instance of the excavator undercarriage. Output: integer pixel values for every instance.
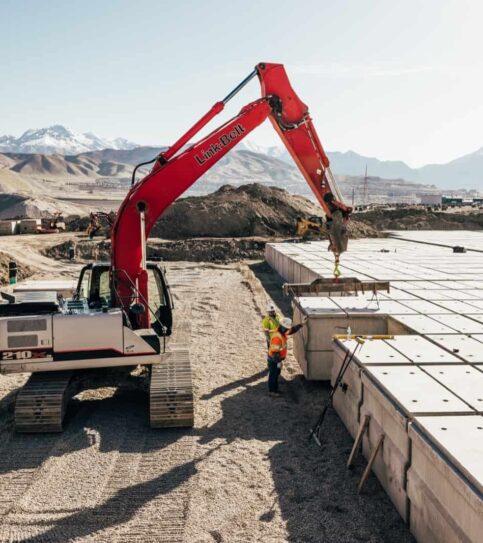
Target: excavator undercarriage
(61, 341)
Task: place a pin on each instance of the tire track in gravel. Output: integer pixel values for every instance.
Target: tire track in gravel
(158, 491)
(160, 495)
(108, 477)
(24, 460)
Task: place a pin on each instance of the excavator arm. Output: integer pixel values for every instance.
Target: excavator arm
(175, 170)
(291, 119)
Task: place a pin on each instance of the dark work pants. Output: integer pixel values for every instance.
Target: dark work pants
(273, 373)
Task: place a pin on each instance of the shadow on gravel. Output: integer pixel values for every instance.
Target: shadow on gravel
(315, 492)
(272, 283)
(119, 509)
(104, 420)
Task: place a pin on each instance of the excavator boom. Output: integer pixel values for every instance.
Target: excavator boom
(175, 170)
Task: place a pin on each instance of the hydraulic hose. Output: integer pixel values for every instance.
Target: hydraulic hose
(133, 178)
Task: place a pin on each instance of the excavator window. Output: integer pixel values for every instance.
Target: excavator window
(155, 290)
(160, 302)
(104, 289)
(85, 284)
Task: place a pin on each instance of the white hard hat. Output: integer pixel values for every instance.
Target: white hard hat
(271, 307)
(286, 323)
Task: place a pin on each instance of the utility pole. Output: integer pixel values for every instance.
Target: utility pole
(364, 197)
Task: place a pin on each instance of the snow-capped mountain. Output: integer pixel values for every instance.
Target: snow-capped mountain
(463, 172)
(273, 151)
(57, 139)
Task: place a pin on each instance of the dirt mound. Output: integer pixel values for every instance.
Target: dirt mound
(14, 206)
(23, 270)
(249, 210)
(76, 223)
(217, 250)
(419, 218)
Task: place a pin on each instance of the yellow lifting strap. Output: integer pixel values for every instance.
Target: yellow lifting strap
(337, 270)
(362, 338)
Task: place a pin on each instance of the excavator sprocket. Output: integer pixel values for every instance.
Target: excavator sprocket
(42, 402)
(171, 390)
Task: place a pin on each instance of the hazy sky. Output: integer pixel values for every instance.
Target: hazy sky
(392, 79)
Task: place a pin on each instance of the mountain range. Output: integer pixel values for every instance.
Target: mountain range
(106, 175)
(57, 139)
(465, 172)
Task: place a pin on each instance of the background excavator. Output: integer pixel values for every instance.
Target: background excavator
(99, 220)
(121, 314)
(312, 227)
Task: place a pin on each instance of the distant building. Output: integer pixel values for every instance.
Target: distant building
(430, 198)
(452, 200)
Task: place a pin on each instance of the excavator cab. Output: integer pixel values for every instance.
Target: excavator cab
(94, 287)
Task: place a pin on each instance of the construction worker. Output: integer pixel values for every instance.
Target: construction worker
(277, 351)
(270, 322)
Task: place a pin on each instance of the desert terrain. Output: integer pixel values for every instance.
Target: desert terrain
(245, 472)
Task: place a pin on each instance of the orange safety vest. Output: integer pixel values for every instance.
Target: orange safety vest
(278, 344)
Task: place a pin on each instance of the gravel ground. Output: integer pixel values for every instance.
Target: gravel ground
(245, 473)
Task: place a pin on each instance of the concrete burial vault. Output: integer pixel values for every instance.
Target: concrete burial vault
(414, 401)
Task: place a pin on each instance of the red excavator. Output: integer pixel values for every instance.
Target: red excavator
(174, 172)
(121, 314)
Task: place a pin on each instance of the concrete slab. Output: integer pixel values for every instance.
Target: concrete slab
(476, 303)
(414, 391)
(445, 480)
(463, 380)
(460, 323)
(422, 351)
(421, 324)
(467, 295)
(376, 352)
(391, 394)
(458, 306)
(470, 349)
(476, 316)
(460, 439)
(436, 297)
(425, 307)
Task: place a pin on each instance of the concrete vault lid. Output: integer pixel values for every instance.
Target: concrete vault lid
(464, 380)
(414, 391)
(459, 438)
(468, 348)
(422, 351)
(374, 351)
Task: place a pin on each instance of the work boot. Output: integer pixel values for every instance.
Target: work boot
(274, 394)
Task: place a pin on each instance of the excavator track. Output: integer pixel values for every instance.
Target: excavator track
(42, 402)
(171, 390)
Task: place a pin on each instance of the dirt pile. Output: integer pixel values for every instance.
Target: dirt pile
(216, 250)
(419, 218)
(76, 223)
(249, 210)
(232, 224)
(246, 211)
(252, 210)
(24, 271)
(14, 206)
